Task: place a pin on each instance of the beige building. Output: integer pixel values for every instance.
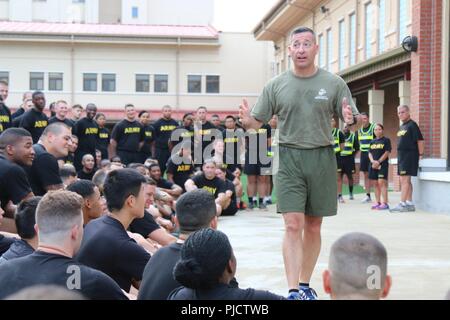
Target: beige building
(149, 66)
(361, 41)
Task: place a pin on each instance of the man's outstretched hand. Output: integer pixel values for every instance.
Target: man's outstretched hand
(347, 112)
(244, 113)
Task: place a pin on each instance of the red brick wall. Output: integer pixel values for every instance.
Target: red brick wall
(426, 72)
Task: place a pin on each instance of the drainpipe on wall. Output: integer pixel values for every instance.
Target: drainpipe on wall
(177, 74)
(72, 71)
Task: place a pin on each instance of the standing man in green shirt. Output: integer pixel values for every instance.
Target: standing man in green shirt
(304, 99)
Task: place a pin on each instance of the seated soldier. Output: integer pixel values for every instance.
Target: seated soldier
(92, 199)
(59, 224)
(88, 170)
(207, 180)
(357, 269)
(230, 206)
(25, 221)
(206, 268)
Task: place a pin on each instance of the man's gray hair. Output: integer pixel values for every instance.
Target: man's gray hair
(354, 259)
(403, 106)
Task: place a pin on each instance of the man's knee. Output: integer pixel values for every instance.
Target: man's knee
(313, 225)
(294, 223)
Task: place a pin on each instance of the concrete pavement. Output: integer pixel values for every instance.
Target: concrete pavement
(418, 246)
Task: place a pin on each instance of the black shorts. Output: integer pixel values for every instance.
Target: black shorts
(382, 173)
(127, 157)
(231, 210)
(364, 162)
(252, 169)
(408, 162)
(339, 163)
(348, 165)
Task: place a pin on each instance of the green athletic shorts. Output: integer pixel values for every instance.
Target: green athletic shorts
(306, 181)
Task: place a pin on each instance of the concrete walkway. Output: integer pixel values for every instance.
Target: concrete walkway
(418, 246)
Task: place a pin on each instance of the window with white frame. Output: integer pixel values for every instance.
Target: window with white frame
(329, 48)
(161, 83)
(55, 81)
(194, 83)
(352, 33)
(212, 84)
(369, 23)
(4, 76)
(381, 26)
(135, 12)
(321, 51)
(341, 44)
(36, 80)
(142, 83)
(108, 82)
(89, 82)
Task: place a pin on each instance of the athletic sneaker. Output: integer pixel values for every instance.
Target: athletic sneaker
(411, 207)
(307, 293)
(351, 196)
(251, 205)
(399, 208)
(384, 206)
(294, 295)
(367, 199)
(262, 206)
(269, 201)
(341, 199)
(376, 206)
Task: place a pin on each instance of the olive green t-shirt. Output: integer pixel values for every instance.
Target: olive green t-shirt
(304, 107)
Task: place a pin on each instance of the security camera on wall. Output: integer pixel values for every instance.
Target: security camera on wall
(410, 44)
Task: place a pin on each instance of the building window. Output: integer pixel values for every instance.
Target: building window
(4, 76)
(321, 52)
(369, 24)
(161, 83)
(341, 44)
(142, 83)
(194, 84)
(36, 81)
(352, 49)
(381, 24)
(402, 4)
(55, 81)
(329, 49)
(108, 82)
(212, 84)
(89, 82)
(134, 12)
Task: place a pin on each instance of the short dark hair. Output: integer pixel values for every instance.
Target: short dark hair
(303, 30)
(152, 165)
(202, 107)
(98, 115)
(364, 114)
(230, 117)
(142, 112)
(119, 185)
(116, 159)
(25, 217)
(11, 136)
(204, 258)
(129, 105)
(187, 115)
(215, 116)
(36, 93)
(380, 125)
(77, 106)
(195, 210)
(84, 188)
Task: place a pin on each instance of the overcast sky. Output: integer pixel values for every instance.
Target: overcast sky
(240, 15)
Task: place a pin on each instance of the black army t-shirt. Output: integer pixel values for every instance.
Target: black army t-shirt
(5, 117)
(66, 121)
(128, 135)
(184, 134)
(107, 247)
(85, 175)
(103, 138)
(214, 186)
(14, 185)
(87, 132)
(145, 225)
(233, 140)
(181, 172)
(257, 141)
(223, 292)
(204, 136)
(35, 122)
(44, 171)
(163, 131)
(379, 146)
(149, 136)
(157, 281)
(41, 268)
(408, 135)
(5, 244)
